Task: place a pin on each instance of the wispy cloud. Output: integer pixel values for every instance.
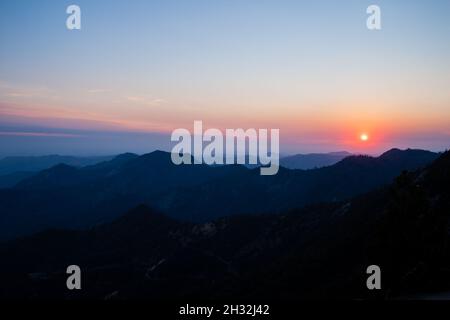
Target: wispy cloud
(17, 94)
(94, 91)
(8, 90)
(39, 134)
(150, 101)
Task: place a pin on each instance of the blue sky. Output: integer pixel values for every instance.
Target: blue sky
(310, 68)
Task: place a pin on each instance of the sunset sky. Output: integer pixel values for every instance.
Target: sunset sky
(139, 69)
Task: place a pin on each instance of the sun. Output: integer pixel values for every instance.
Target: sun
(364, 137)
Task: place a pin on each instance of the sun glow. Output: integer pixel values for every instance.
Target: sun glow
(364, 137)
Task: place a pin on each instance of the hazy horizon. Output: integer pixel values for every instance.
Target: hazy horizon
(147, 151)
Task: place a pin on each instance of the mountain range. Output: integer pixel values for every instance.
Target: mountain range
(313, 160)
(16, 169)
(318, 251)
(70, 197)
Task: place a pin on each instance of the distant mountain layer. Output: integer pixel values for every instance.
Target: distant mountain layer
(313, 160)
(65, 196)
(15, 169)
(32, 164)
(11, 179)
(320, 251)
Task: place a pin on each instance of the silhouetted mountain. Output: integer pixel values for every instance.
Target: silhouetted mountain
(313, 160)
(289, 188)
(33, 164)
(11, 179)
(64, 196)
(320, 251)
(16, 169)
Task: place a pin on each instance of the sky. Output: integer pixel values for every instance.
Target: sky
(137, 70)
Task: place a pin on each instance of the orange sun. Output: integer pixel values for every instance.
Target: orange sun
(364, 137)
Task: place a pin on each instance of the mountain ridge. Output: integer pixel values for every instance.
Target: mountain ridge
(82, 197)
